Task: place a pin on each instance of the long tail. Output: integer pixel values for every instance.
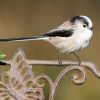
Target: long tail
(40, 37)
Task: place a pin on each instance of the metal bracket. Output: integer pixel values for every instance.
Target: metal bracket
(19, 83)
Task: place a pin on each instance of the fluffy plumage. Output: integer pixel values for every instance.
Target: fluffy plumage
(73, 35)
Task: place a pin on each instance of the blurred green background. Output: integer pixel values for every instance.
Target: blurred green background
(20, 18)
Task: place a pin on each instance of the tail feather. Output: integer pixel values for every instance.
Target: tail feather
(23, 38)
(3, 63)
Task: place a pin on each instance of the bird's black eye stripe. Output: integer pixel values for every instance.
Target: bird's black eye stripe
(60, 33)
(85, 22)
(73, 19)
(79, 18)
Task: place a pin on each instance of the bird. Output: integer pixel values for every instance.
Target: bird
(71, 36)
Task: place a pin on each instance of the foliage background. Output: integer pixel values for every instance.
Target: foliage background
(20, 18)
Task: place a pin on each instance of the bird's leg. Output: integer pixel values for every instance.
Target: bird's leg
(78, 59)
(59, 59)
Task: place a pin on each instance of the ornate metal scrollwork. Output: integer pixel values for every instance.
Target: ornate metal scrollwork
(19, 83)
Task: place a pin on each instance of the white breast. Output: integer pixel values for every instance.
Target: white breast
(64, 44)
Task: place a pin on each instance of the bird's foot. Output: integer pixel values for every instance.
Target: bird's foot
(79, 62)
(60, 62)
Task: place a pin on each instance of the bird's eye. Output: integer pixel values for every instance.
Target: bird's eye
(84, 25)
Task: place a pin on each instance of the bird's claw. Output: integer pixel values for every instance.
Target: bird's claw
(60, 62)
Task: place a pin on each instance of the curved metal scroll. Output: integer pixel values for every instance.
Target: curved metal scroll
(19, 83)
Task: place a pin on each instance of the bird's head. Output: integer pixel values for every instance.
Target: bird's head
(82, 23)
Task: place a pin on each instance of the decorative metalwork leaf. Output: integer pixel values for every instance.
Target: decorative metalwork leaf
(19, 82)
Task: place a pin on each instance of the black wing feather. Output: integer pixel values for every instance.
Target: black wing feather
(60, 33)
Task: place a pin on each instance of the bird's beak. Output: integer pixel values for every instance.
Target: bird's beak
(91, 28)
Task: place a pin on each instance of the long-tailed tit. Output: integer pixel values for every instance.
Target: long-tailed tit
(73, 35)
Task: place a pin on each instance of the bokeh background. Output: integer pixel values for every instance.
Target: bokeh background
(20, 18)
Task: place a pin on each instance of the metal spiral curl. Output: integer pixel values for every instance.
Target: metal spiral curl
(79, 79)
